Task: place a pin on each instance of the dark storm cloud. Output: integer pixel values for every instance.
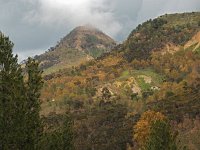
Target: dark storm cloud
(35, 25)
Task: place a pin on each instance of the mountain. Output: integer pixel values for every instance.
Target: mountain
(80, 45)
(89, 39)
(154, 35)
(135, 65)
(156, 68)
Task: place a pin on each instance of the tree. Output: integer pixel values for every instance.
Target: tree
(153, 132)
(143, 126)
(160, 137)
(12, 98)
(33, 87)
(20, 124)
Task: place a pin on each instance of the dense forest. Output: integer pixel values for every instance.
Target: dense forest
(142, 95)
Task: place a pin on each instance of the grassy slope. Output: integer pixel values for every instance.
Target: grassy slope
(67, 59)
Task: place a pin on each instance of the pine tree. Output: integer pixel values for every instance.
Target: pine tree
(20, 123)
(33, 87)
(12, 119)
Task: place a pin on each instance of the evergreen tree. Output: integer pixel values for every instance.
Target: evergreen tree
(20, 124)
(33, 87)
(12, 118)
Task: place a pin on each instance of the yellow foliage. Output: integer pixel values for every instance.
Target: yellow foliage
(142, 128)
(111, 61)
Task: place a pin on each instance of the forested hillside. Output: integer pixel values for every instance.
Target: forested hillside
(144, 94)
(155, 34)
(156, 68)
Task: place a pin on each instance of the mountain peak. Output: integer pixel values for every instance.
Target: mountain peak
(86, 28)
(80, 45)
(88, 38)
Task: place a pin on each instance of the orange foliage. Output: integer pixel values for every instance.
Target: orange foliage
(142, 128)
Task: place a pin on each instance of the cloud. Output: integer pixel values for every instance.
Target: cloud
(72, 13)
(35, 25)
(115, 17)
(155, 8)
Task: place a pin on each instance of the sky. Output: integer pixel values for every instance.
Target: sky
(36, 25)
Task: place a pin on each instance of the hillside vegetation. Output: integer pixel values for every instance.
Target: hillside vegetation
(156, 68)
(153, 35)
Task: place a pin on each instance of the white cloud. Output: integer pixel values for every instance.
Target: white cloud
(155, 8)
(74, 13)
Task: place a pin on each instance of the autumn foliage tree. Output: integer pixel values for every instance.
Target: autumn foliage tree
(143, 126)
